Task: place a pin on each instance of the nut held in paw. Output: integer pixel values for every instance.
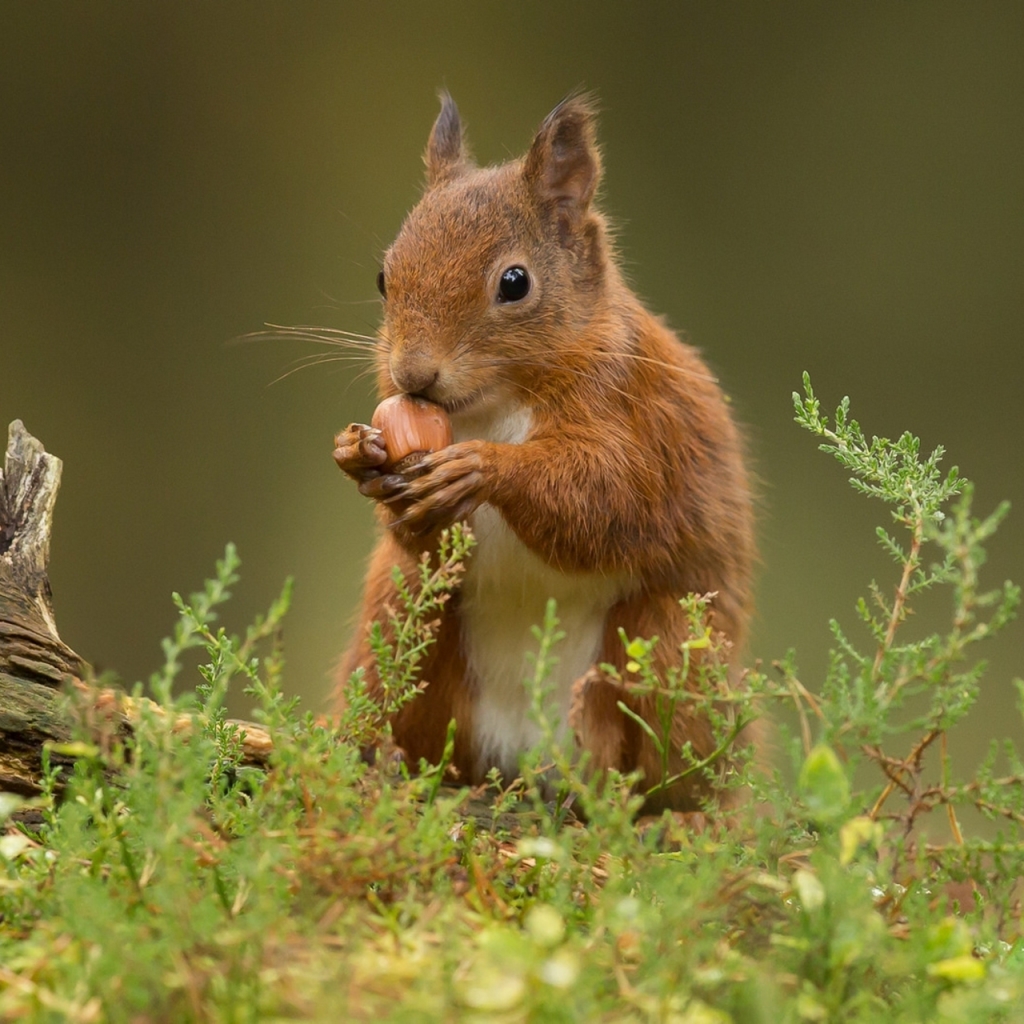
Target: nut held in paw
(412, 427)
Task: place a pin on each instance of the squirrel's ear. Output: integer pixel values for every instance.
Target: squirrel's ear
(563, 166)
(446, 153)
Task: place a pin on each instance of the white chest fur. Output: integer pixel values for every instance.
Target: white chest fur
(504, 594)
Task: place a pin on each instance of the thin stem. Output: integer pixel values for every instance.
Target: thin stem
(800, 694)
(954, 825)
(715, 754)
(899, 604)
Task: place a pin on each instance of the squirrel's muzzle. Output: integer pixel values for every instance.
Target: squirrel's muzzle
(414, 372)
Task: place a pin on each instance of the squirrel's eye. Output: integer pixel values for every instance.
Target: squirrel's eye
(514, 285)
(380, 284)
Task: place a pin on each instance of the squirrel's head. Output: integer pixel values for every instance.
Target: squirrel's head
(496, 268)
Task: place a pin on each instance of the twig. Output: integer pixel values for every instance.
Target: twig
(900, 601)
(912, 759)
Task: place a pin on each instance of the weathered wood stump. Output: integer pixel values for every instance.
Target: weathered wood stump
(37, 669)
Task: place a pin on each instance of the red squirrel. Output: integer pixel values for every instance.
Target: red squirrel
(594, 458)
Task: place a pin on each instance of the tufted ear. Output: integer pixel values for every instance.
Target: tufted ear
(446, 154)
(563, 165)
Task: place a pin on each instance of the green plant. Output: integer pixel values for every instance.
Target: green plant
(923, 687)
(399, 645)
(701, 680)
(174, 881)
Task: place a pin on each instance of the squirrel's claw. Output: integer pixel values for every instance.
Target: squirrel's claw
(423, 518)
(450, 485)
(385, 487)
(359, 451)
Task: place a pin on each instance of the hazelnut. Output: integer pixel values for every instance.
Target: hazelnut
(412, 427)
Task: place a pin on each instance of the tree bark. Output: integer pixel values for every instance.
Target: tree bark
(37, 669)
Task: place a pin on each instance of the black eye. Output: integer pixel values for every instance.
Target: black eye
(514, 285)
(380, 284)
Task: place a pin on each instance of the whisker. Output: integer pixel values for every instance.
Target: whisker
(331, 357)
(636, 357)
(320, 329)
(323, 333)
(322, 358)
(365, 372)
(314, 335)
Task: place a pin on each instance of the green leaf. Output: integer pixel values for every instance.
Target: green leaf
(957, 969)
(637, 648)
(810, 890)
(856, 833)
(824, 786)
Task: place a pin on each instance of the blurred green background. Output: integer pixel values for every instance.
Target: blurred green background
(837, 188)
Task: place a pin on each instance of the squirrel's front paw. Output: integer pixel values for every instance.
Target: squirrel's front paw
(359, 451)
(442, 489)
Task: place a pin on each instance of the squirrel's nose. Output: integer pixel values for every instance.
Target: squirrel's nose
(413, 375)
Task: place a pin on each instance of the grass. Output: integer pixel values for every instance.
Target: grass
(169, 882)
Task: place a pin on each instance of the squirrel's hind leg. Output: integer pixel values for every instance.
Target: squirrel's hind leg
(614, 740)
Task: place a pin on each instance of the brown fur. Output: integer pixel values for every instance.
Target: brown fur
(633, 466)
